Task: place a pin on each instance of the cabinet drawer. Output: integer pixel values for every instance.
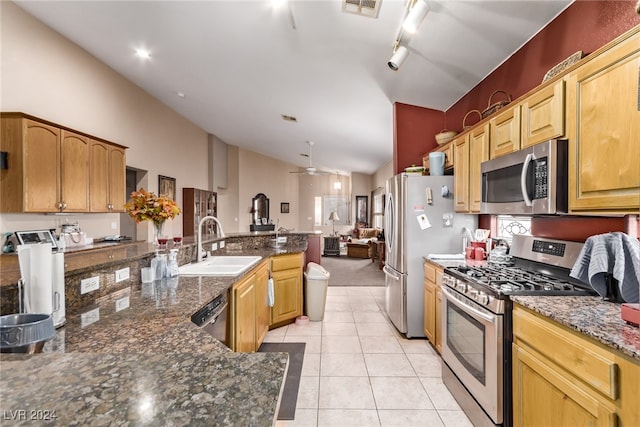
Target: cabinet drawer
(286, 262)
(588, 362)
(429, 272)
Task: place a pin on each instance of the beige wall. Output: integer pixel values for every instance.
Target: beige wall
(261, 174)
(381, 176)
(45, 75)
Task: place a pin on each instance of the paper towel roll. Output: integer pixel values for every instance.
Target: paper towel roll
(36, 264)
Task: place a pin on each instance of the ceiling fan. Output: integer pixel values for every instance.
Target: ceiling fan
(310, 170)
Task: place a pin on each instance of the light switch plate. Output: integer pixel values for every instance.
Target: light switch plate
(89, 285)
(122, 274)
(221, 244)
(214, 246)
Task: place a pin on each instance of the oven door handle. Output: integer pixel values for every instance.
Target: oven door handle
(523, 179)
(453, 298)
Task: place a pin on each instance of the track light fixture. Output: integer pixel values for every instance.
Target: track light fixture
(415, 17)
(400, 54)
(415, 12)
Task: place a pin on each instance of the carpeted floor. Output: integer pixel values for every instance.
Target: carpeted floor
(347, 271)
(292, 381)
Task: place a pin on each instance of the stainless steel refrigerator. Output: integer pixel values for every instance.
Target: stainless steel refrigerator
(419, 220)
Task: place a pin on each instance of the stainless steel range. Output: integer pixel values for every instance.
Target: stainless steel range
(476, 318)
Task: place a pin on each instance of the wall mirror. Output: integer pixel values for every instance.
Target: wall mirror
(260, 209)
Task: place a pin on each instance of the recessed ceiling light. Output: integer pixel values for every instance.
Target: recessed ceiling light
(143, 53)
(276, 4)
(181, 94)
(288, 118)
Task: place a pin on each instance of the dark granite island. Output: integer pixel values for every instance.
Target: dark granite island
(145, 364)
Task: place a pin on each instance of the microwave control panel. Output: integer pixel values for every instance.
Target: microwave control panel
(541, 178)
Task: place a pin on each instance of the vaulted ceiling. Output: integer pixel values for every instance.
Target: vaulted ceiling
(235, 67)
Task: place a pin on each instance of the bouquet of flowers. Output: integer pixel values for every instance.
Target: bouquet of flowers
(147, 206)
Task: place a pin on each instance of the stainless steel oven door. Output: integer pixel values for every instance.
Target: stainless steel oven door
(472, 348)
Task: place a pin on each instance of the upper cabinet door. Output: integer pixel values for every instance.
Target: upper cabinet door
(99, 177)
(41, 150)
(603, 127)
(543, 115)
(478, 153)
(117, 179)
(505, 132)
(461, 173)
(74, 172)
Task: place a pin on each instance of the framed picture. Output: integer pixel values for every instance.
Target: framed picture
(284, 207)
(167, 186)
(362, 210)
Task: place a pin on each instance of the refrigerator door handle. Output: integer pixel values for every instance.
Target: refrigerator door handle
(391, 273)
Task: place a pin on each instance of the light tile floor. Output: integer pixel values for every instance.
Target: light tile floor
(360, 371)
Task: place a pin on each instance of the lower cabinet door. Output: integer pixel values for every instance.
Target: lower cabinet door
(429, 311)
(287, 290)
(263, 312)
(244, 315)
(545, 396)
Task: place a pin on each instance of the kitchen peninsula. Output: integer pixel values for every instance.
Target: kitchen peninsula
(145, 361)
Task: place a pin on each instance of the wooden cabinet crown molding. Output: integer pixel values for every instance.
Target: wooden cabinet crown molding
(15, 114)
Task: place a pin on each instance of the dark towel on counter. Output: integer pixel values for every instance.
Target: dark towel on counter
(616, 254)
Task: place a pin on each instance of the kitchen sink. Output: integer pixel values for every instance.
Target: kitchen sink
(226, 265)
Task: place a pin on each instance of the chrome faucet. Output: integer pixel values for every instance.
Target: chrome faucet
(200, 252)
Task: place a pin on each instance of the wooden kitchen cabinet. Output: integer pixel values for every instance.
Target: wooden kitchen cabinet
(505, 132)
(286, 271)
(429, 301)
(49, 166)
(543, 115)
(478, 153)
(243, 315)
(561, 377)
(106, 178)
(603, 128)
(263, 311)
(432, 304)
(461, 173)
(249, 310)
(470, 151)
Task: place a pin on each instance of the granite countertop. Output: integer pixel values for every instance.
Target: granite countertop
(147, 363)
(597, 319)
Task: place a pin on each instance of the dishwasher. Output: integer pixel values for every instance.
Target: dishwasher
(213, 318)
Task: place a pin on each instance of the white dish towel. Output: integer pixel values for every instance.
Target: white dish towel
(270, 292)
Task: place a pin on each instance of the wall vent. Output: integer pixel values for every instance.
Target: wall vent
(368, 8)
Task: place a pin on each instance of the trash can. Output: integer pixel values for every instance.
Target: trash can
(317, 280)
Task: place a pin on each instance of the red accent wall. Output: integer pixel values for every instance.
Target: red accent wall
(414, 134)
(585, 25)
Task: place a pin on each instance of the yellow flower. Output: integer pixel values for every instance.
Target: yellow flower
(147, 206)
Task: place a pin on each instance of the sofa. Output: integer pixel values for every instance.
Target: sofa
(360, 245)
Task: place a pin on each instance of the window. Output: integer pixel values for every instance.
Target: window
(377, 208)
(509, 226)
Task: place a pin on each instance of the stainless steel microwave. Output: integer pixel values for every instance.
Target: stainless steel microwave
(527, 182)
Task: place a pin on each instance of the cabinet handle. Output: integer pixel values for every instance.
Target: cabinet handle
(64, 206)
